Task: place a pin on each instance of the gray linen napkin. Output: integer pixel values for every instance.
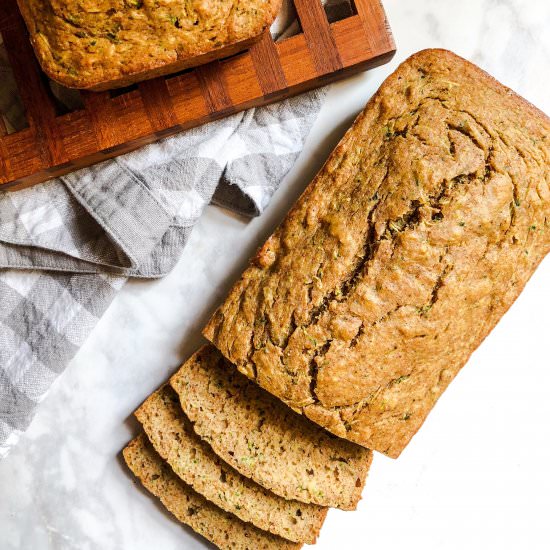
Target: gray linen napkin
(67, 246)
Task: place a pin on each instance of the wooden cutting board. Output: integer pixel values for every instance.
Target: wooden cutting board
(112, 123)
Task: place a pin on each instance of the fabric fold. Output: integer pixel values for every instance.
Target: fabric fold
(122, 204)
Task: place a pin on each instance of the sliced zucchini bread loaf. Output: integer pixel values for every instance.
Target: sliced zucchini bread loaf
(415, 238)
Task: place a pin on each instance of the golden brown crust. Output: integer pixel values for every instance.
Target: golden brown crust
(222, 529)
(111, 43)
(411, 243)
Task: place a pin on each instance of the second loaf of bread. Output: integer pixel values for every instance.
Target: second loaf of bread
(415, 238)
(112, 43)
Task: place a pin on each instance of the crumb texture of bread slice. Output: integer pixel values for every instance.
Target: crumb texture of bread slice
(401, 256)
(224, 530)
(265, 440)
(192, 459)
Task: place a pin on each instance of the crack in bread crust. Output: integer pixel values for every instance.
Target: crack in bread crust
(401, 256)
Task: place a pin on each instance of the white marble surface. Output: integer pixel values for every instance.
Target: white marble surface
(477, 474)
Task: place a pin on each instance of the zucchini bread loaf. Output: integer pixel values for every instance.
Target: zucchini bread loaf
(404, 252)
(105, 44)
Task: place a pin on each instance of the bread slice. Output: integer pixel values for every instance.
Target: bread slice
(222, 529)
(265, 440)
(196, 464)
(412, 242)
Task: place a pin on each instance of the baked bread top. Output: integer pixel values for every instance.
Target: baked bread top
(404, 252)
(86, 43)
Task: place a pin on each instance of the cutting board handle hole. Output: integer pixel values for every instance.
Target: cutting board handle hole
(337, 10)
(12, 110)
(117, 92)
